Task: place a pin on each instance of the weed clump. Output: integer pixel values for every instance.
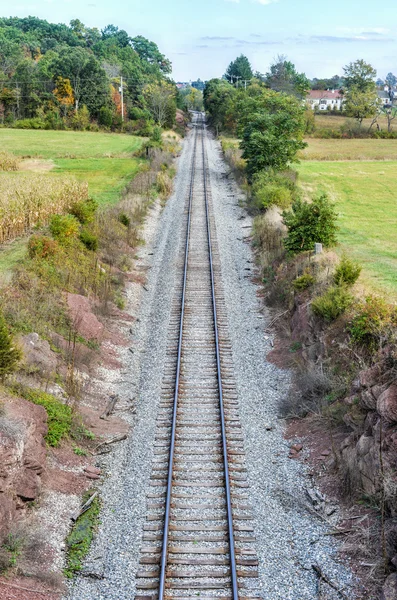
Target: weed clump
(79, 539)
(373, 323)
(347, 272)
(41, 246)
(90, 240)
(84, 210)
(125, 219)
(303, 282)
(59, 415)
(332, 303)
(64, 227)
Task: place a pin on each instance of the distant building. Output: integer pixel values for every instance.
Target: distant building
(325, 99)
(388, 96)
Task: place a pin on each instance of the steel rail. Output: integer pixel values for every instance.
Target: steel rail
(164, 553)
(233, 568)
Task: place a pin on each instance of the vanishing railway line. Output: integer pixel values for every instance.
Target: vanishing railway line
(198, 536)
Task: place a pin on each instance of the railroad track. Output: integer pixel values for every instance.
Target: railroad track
(198, 536)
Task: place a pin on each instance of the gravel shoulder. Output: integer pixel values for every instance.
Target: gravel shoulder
(290, 539)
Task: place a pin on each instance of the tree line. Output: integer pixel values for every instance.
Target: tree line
(60, 74)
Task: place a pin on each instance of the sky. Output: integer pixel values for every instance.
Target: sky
(201, 37)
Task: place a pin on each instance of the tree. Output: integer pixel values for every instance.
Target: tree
(239, 70)
(149, 52)
(310, 223)
(390, 113)
(81, 119)
(64, 93)
(160, 99)
(361, 105)
(218, 98)
(10, 354)
(360, 76)
(272, 126)
(391, 80)
(283, 77)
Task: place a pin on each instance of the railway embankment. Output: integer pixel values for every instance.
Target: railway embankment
(290, 535)
(66, 302)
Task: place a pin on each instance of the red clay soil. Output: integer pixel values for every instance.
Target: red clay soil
(24, 588)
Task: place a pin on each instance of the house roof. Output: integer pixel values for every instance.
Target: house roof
(324, 95)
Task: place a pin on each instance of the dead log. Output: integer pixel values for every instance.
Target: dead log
(85, 507)
(322, 577)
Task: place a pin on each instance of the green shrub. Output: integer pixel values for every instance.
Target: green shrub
(332, 303)
(64, 227)
(310, 223)
(105, 116)
(81, 119)
(347, 272)
(41, 246)
(156, 137)
(89, 240)
(124, 219)
(373, 322)
(10, 354)
(271, 188)
(84, 210)
(303, 282)
(59, 415)
(35, 123)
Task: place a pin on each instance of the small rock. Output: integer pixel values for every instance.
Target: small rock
(326, 453)
(93, 470)
(91, 476)
(269, 427)
(297, 447)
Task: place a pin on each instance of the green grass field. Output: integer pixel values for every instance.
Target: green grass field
(68, 144)
(349, 149)
(104, 160)
(366, 198)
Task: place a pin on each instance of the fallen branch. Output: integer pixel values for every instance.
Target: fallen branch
(118, 438)
(110, 407)
(85, 507)
(324, 578)
(276, 319)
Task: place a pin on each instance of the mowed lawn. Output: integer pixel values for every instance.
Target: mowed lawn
(365, 193)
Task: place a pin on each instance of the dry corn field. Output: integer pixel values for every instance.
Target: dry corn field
(27, 200)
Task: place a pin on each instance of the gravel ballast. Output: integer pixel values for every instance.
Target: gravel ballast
(290, 539)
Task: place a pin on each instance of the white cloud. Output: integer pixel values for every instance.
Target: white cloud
(265, 1)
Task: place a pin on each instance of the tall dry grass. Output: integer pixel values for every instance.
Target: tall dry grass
(27, 200)
(8, 162)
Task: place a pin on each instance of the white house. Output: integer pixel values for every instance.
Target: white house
(324, 99)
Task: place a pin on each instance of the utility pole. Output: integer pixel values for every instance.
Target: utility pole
(122, 98)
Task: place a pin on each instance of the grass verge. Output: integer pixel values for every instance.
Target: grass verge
(80, 538)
